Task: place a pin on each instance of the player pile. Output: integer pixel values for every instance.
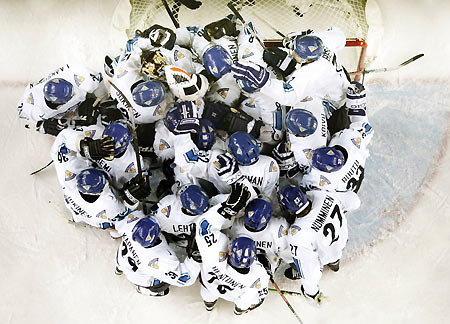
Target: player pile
(225, 120)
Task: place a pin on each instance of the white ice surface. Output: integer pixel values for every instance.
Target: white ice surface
(395, 269)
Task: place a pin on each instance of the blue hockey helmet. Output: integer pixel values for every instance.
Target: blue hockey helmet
(148, 93)
(206, 136)
(58, 91)
(121, 135)
(217, 61)
(293, 199)
(244, 148)
(242, 252)
(308, 48)
(301, 122)
(194, 199)
(328, 159)
(146, 232)
(258, 213)
(91, 181)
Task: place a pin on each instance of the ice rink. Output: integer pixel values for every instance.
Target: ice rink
(395, 269)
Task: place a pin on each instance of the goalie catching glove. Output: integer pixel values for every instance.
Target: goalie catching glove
(220, 28)
(102, 148)
(236, 200)
(185, 86)
(135, 190)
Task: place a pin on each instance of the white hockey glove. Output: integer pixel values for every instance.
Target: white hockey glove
(183, 85)
(227, 168)
(286, 160)
(356, 100)
(251, 74)
(289, 40)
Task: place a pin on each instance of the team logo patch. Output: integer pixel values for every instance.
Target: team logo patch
(222, 256)
(323, 181)
(131, 218)
(89, 133)
(177, 55)
(130, 168)
(294, 229)
(163, 145)
(78, 79)
(158, 110)
(357, 142)
(256, 284)
(282, 231)
(312, 48)
(308, 153)
(154, 263)
(247, 53)
(166, 211)
(30, 99)
(273, 167)
(102, 214)
(250, 103)
(121, 72)
(69, 175)
(223, 92)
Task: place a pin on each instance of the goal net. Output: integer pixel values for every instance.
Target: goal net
(268, 16)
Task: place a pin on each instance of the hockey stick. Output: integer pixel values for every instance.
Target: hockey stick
(268, 24)
(286, 292)
(171, 14)
(412, 59)
(127, 103)
(284, 298)
(44, 167)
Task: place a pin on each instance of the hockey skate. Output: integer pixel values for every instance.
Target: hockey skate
(210, 305)
(148, 292)
(334, 266)
(292, 273)
(118, 271)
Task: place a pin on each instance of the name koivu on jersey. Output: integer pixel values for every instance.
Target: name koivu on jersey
(322, 216)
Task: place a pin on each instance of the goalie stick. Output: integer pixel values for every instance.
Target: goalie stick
(127, 103)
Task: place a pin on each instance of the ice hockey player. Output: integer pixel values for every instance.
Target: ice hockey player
(340, 165)
(147, 260)
(66, 97)
(229, 270)
(317, 235)
(320, 73)
(269, 233)
(306, 125)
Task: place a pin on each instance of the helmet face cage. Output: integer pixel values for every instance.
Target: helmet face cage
(153, 63)
(292, 199)
(194, 199)
(258, 213)
(148, 93)
(301, 122)
(146, 232)
(244, 148)
(121, 135)
(328, 159)
(58, 91)
(242, 252)
(91, 182)
(217, 61)
(308, 49)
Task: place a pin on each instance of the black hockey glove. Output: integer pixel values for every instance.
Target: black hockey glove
(191, 4)
(220, 28)
(87, 113)
(192, 248)
(52, 126)
(286, 160)
(136, 189)
(160, 36)
(262, 258)
(236, 200)
(97, 149)
(109, 112)
(280, 59)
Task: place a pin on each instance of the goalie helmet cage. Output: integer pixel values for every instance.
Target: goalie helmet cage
(267, 16)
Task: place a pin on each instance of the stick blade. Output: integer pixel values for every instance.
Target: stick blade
(412, 59)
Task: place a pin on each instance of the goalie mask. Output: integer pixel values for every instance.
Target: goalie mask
(185, 86)
(153, 63)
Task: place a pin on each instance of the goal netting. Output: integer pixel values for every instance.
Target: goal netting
(266, 15)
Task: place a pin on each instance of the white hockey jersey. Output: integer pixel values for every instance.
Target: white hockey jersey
(324, 77)
(271, 241)
(220, 280)
(302, 146)
(319, 237)
(150, 266)
(33, 108)
(355, 141)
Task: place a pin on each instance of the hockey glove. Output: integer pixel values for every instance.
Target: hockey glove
(51, 126)
(286, 160)
(97, 149)
(135, 190)
(289, 40)
(220, 28)
(356, 99)
(280, 59)
(251, 74)
(227, 168)
(192, 248)
(191, 4)
(236, 200)
(262, 258)
(160, 36)
(87, 112)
